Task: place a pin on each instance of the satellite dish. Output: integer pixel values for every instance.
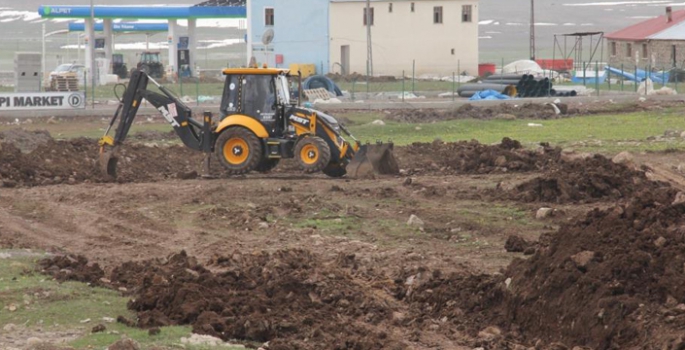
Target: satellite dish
(268, 36)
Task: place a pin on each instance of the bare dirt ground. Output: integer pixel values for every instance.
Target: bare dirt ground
(416, 261)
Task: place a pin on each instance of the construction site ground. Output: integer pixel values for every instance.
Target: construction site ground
(508, 228)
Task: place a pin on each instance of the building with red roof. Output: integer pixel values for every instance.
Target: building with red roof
(657, 42)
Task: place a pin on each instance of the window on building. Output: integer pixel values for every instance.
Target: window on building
(645, 52)
(629, 50)
(437, 14)
(613, 48)
(390, 7)
(466, 13)
(268, 16)
(452, 51)
(412, 7)
(370, 15)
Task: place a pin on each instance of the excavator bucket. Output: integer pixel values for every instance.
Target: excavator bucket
(108, 162)
(373, 159)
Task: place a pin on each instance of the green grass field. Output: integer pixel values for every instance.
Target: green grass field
(609, 133)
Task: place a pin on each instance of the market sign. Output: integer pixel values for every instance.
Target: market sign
(42, 100)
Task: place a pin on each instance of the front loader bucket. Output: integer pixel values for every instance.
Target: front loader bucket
(373, 159)
(108, 162)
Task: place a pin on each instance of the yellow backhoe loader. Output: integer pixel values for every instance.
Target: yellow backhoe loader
(259, 126)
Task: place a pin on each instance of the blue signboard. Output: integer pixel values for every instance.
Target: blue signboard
(123, 27)
(143, 12)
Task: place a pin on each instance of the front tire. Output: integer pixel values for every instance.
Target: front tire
(238, 150)
(313, 154)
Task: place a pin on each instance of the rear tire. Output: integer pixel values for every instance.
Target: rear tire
(266, 165)
(334, 170)
(313, 154)
(238, 150)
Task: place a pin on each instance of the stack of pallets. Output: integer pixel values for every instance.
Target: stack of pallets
(64, 82)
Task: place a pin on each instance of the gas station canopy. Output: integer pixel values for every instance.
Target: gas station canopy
(209, 9)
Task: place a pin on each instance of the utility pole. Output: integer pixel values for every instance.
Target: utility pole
(532, 30)
(91, 44)
(369, 53)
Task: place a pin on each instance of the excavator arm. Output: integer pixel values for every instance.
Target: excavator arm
(194, 134)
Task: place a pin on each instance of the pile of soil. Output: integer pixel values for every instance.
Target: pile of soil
(613, 280)
(517, 244)
(584, 180)
(472, 157)
(290, 298)
(27, 141)
(468, 111)
(76, 161)
(71, 268)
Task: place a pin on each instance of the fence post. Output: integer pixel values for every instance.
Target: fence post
(354, 83)
(85, 88)
(597, 77)
(197, 92)
(453, 83)
(402, 86)
(584, 70)
(92, 95)
(413, 76)
(622, 77)
(636, 78)
(459, 73)
(608, 73)
(180, 81)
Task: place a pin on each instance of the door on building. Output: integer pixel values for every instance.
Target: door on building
(345, 59)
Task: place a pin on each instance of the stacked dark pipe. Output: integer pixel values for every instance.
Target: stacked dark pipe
(526, 86)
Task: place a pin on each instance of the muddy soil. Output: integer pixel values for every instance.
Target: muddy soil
(525, 110)
(76, 161)
(584, 180)
(614, 279)
(472, 157)
(313, 263)
(72, 268)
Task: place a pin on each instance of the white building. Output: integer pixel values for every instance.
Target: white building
(439, 36)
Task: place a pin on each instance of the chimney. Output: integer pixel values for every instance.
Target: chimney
(669, 14)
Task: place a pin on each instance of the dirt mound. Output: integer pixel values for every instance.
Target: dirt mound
(76, 161)
(517, 244)
(71, 268)
(467, 111)
(584, 180)
(615, 279)
(25, 140)
(472, 157)
(290, 298)
(464, 302)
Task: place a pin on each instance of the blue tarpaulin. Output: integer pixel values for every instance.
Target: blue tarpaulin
(489, 95)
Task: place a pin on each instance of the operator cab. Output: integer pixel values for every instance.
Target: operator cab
(259, 93)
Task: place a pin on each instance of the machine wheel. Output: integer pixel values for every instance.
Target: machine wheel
(238, 150)
(266, 165)
(313, 154)
(334, 170)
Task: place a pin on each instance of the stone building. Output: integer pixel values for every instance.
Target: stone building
(658, 43)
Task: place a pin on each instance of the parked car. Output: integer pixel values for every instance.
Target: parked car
(68, 68)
